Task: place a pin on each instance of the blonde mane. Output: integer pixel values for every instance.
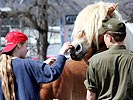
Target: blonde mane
(90, 20)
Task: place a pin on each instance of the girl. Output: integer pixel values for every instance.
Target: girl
(19, 77)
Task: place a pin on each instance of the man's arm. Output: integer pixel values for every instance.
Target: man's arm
(90, 95)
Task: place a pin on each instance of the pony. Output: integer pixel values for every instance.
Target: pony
(85, 33)
(86, 42)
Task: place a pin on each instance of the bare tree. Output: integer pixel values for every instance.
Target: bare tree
(38, 14)
(34, 14)
(42, 27)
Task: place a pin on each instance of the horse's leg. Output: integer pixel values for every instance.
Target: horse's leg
(78, 71)
(62, 87)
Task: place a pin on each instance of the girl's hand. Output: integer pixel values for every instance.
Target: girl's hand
(64, 49)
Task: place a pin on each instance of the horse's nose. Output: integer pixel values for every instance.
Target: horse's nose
(75, 53)
(76, 50)
(72, 51)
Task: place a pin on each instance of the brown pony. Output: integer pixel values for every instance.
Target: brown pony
(86, 41)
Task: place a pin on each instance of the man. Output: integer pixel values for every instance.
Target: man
(110, 73)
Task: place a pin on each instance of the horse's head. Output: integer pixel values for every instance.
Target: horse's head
(82, 48)
(85, 36)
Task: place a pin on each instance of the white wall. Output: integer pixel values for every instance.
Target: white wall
(129, 37)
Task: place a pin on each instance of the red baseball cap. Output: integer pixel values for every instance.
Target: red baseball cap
(12, 39)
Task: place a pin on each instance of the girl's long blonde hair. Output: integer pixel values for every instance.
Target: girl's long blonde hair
(7, 77)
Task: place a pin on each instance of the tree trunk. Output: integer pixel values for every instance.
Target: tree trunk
(42, 45)
(42, 28)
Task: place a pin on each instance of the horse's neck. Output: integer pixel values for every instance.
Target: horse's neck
(94, 50)
(89, 54)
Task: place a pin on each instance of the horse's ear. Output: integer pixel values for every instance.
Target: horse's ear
(111, 9)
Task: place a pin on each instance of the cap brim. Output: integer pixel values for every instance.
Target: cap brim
(102, 30)
(8, 48)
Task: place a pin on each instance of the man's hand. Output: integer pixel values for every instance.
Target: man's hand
(90, 95)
